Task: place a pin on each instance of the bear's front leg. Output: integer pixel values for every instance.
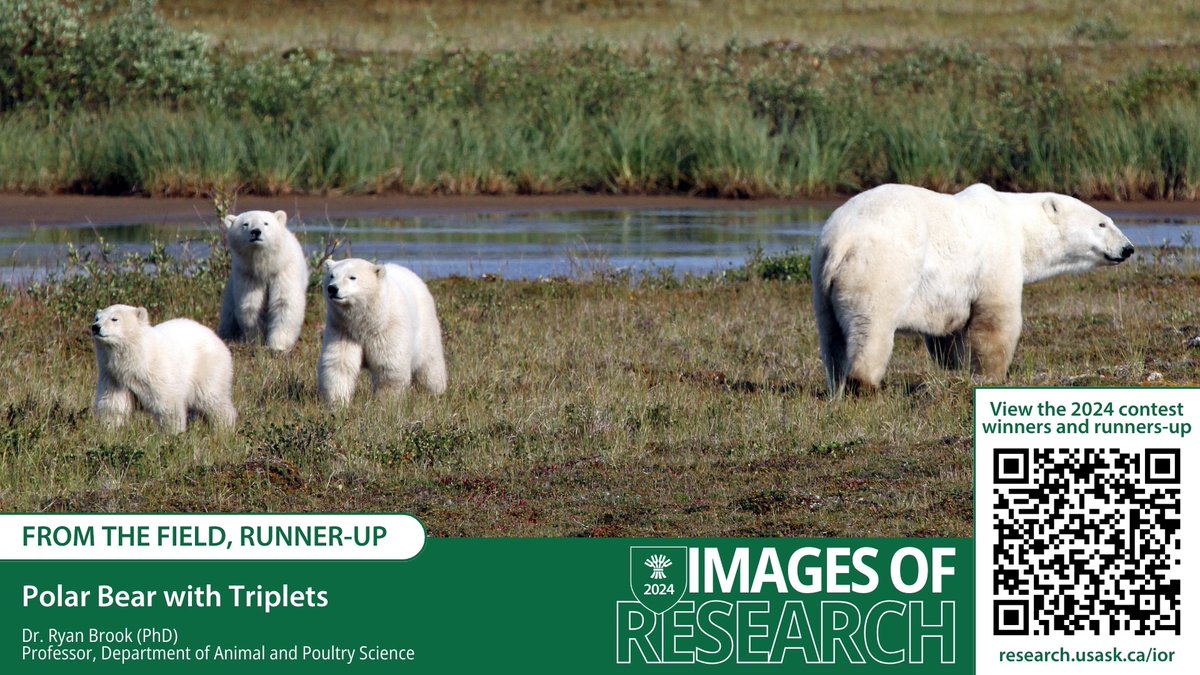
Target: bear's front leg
(285, 318)
(337, 372)
(248, 310)
(171, 417)
(992, 333)
(113, 403)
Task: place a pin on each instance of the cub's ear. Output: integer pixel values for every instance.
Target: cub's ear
(228, 221)
(380, 271)
(1051, 208)
(143, 315)
(281, 218)
(329, 264)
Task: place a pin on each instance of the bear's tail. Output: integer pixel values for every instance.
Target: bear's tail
(831, 337)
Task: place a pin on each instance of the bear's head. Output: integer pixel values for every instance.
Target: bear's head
(254, 230)
(1089, 238)
(119, 323)
(348, 282)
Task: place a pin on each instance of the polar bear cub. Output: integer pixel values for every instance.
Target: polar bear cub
(168, 369)
(382, 318)
(264, 297)
(948, 267)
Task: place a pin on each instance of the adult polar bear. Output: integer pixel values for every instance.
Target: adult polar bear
(950, 267)
(168, 369)
(383, 318)
(264, 297)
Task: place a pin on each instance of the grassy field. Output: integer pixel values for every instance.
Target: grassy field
(1101, 102)
(611, 407)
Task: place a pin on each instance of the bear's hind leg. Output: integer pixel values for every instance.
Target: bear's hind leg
(832, 342)
(869, 349)
(216, 404)
(431, 373)
(992, 334)
(949, 351)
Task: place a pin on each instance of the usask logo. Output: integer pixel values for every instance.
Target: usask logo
(658, 575)
(808, 605)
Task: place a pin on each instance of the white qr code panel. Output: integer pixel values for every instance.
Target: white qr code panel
(1085, 503)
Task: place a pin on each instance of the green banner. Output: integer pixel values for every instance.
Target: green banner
(526, 605)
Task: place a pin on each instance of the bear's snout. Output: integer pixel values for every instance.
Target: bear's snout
(96, 328)
(333, 291)
(1127, 251)
(255, 234)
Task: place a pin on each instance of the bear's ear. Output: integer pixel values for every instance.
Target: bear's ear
(228, 221)
(281, 218)
(328, 264)
(380, 271)
(143, 315)
(1051, 208)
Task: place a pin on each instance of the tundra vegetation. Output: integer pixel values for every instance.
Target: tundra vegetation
(762, 98)
(619, 406)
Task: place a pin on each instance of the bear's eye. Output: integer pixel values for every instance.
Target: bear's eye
(1103, 225)
(114, 318)
(353, 278)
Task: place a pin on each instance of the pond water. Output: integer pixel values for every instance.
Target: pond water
(514, 245)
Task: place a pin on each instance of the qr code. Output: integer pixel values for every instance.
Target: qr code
(1087, 541)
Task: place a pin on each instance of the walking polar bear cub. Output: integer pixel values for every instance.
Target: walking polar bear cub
(382, 318)
(168, 369)
(264, 297)
(950, 267)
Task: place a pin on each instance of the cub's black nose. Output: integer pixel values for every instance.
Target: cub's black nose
(95, 329)
(255, 232)
(1127, 251)
(333, 290)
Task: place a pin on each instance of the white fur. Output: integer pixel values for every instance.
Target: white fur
(264, 297)
(382, 318)
(168, 369)
(949, 267)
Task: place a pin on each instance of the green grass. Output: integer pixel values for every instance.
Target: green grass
(602, 408)
(737, 118)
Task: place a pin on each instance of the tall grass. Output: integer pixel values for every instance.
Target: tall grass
(770, 120)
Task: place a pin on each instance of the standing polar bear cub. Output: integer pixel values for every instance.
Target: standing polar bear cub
(382, 318)
(949, 267)
(264, 297)
(168, 369)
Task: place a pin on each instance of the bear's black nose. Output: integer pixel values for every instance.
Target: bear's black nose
(95, 329)
(1127, 251)
(333, 290)
(255, 233)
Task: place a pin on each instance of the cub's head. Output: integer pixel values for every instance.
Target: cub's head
(348, 282)
(118, 323)
(253, 230)
(1089, 238)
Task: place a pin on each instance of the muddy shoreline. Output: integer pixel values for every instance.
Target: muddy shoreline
(80, 211)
